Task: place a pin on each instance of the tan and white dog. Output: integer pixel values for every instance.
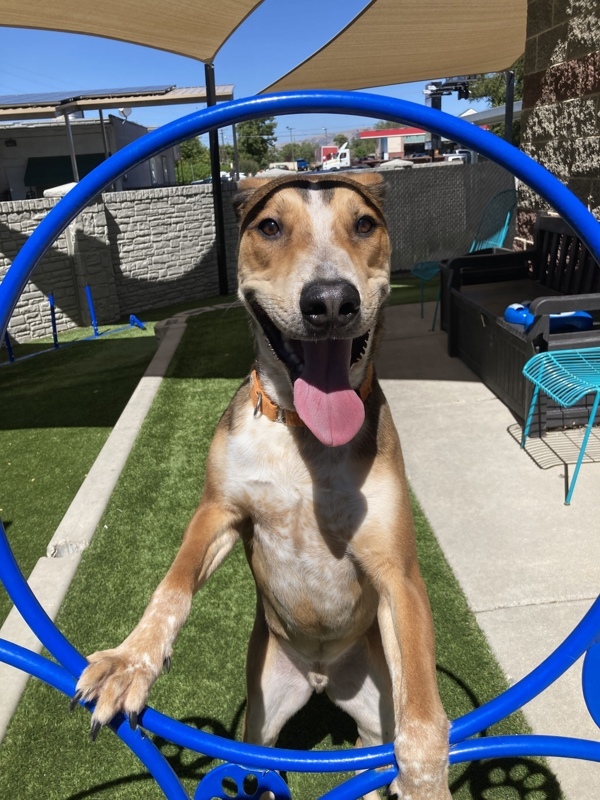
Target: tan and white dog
(306, 469)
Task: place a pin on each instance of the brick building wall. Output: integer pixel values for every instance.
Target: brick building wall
(561, 99)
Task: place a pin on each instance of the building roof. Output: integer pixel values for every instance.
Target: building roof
(194, 28)
(52, 104)
(389, 132)
(494, 115)
(399, 41)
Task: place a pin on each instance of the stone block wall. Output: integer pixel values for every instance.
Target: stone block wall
(153, 248)
(163, 245)
(136, 250)
(561, 99)
(55, 273)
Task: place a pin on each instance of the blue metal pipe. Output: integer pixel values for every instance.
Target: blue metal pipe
(250, 755)
(53, 320)
(92, 310)
(67, 209)
(565, 655)
(141, 745)
(32, 612)
(357, 787)
(526, 745)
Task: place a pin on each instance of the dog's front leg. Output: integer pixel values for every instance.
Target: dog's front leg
(120, 679)
(421, 735)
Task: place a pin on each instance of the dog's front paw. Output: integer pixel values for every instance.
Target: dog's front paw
(117, 680)
(422, 755)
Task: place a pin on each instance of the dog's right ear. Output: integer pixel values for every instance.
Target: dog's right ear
(243, 197)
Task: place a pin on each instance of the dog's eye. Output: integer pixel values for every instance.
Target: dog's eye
(365, 225)
(269, 227)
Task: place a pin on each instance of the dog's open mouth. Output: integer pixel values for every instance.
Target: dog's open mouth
(320, 373)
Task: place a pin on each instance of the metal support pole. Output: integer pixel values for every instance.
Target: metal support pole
(236, 154)
(71, 147)
(435, 101)
(510, 100)
(103, 130)
(215, 169)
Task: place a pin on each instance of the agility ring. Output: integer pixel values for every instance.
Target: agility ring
(253, 769)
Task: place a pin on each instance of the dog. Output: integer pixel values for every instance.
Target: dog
(306, 469)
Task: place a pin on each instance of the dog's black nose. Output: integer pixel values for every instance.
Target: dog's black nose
(327, 305)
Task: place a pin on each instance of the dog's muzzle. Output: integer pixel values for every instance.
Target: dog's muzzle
(328, 307)
(319, 363)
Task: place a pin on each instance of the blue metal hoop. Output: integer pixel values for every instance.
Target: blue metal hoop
(373, 759)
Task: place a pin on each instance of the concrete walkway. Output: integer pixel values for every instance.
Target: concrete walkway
(528, 564)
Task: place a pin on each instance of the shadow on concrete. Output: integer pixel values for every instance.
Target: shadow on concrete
(411, 351)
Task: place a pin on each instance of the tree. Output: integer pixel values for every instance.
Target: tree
(195, 161)
(361, 148)
(256, 138)
(303, 149)
(492, 87)
(340, 139)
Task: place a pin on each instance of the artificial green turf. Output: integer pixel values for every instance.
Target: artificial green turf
(57, 411)
(407, 289)
(137, 540)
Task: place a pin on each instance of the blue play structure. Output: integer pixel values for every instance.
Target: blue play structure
(134, 322)
(252, 769)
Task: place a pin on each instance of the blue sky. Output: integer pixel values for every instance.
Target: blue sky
(274, 39)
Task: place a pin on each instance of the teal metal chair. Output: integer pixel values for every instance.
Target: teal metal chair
(566, 376)
(491, 232)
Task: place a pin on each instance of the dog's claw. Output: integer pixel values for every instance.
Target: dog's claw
(75, 700)
(133, 720)
(167, 664)
(95, 730)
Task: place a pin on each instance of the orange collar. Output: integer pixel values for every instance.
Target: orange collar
(264, 405)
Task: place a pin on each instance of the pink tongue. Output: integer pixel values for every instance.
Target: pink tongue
(323, 397)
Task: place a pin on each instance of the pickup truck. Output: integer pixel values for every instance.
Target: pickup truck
(459, 155)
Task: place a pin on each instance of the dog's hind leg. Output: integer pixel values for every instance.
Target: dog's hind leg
(277, 687)
(359, 683)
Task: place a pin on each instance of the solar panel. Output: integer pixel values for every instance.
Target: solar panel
(60, 98)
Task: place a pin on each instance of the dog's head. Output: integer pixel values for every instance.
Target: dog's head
(313, 271)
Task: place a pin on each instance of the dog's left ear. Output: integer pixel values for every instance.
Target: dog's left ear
(246, 190)
(374, 183)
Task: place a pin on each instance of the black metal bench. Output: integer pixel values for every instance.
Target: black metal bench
(558, 274)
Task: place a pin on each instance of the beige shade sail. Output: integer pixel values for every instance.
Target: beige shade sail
(194, 28)
(400, 41)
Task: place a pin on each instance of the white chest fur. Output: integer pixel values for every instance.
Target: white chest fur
(305, 518)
